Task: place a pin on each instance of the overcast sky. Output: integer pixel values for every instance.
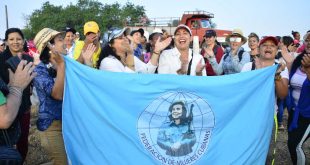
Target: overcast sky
(265, 17)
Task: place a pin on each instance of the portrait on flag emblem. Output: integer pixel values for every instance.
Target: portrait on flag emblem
(176, 128)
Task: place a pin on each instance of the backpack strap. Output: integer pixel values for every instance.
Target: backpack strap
(240, 53)
(190, 64)
(253, 66)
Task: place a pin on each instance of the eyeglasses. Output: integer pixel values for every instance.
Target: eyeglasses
(235, 39)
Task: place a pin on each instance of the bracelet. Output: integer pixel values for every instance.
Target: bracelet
(17, 91)
(278, 77)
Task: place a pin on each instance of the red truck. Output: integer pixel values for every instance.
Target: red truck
(197, 21)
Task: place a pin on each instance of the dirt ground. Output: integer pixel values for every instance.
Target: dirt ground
(37, 155)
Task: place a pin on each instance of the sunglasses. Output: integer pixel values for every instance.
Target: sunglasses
(235, 39)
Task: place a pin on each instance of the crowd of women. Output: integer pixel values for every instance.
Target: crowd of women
(25, 72)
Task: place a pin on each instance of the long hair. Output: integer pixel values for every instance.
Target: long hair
(106, 51)
(297, 61)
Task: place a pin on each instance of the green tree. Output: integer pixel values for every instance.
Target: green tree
(75, 15)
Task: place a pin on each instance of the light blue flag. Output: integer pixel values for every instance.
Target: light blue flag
(120, 119)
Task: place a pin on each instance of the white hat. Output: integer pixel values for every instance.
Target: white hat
(182, 26)
(157, 30)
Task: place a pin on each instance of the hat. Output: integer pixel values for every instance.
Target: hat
(141, 31)
(91, 26)
(68, 29)
(112, 34)
(274, 39)
(157, 30)
(182, 26)
(43, 37)
(237, 32)
(210, 33)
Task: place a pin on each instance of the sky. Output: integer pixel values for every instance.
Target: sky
(265, 17)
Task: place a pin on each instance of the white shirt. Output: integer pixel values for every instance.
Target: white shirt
(297, 81)
(112, 64)
(170, 63)
(70, 51)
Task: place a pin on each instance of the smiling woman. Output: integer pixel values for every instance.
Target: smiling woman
(14, 39)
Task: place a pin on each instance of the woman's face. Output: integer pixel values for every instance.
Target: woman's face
(121, 45)
(307, 44)
(235, 42)
(137, 38)
(253, 43)
(59, 44)
(297, 36)
(268, 50)
(182, 39)
(15, 43)
(69, 38)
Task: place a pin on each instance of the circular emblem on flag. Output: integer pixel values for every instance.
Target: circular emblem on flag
(176, 128)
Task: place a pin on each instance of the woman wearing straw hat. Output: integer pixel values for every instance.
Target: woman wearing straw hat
(233, 60)
(49, 84)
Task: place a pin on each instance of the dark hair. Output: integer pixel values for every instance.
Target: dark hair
(253, 35)
(25, 47)
(107, 51)
(287, 40)
(294, 33)
(45, 54)
(13, 30)
(148, 47)
(297, 61)
(183, 118)
(68, 29)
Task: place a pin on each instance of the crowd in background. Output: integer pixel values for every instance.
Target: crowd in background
(37, 67)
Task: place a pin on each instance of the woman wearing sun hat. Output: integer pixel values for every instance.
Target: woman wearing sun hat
(49, 84)
(233, 60)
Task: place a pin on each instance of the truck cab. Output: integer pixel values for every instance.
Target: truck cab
(199, 22)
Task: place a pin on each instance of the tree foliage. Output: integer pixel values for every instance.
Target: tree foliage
(76, 15)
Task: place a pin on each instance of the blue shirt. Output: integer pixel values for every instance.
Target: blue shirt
(49, 108)
(138, 51)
